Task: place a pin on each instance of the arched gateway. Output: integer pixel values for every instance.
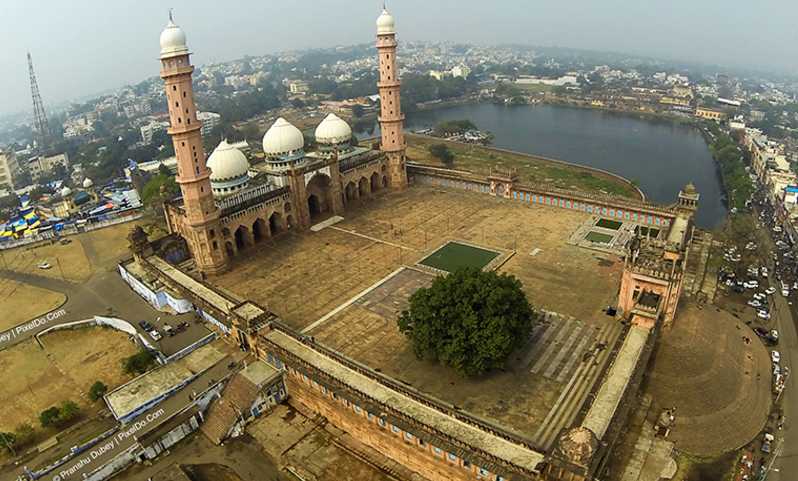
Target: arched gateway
(319, 197)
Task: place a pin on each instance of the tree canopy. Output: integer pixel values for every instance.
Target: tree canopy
(442, 153)
(469, 320)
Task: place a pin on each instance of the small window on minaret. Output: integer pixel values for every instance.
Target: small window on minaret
(174, 87)
(184, 95)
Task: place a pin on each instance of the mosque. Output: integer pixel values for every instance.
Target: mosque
(227, 206)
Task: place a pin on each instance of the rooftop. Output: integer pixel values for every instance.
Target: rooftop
(153, 384)
(258, 373)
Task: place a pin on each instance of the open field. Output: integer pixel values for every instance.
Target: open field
(305, 276)
(75, 261)
(531, 170)
(35, 379)
(20, 302)
(716, 372)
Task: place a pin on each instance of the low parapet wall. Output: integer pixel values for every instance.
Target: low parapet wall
(606, 206)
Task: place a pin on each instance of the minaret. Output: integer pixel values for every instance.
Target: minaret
(391, 117)
(201, 230)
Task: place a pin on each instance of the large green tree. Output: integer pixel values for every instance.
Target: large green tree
(470, 320)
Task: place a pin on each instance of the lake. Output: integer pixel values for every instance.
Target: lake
(660, 155)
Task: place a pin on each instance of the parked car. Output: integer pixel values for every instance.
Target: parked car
(168, 330)
(44, 266)
(146, 326)
(770, 291)
(773, 336)
(763, 314)
(155, 335)
(754, 303)
(760, 331)
(775, 356)
(751, 284)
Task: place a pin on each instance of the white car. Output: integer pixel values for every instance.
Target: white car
(775, 356)
(44, 266)
(754, 303)
(763, 314)
(770, 291)
(751, 284)
(154, 334)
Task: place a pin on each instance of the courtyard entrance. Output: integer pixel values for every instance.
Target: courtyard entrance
(319, 200)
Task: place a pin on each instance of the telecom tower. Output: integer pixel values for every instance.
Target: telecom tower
(40, 126)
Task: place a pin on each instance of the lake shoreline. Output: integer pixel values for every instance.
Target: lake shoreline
(658, 155)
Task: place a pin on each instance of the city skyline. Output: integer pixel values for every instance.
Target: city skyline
(701, 37)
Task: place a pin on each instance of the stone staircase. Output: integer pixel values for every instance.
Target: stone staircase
(573, 396)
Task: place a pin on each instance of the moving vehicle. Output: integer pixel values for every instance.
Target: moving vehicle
(44, 266)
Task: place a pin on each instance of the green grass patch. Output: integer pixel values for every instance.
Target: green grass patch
(454, 255)
(532, 170)
(609, 224)
(598, 237)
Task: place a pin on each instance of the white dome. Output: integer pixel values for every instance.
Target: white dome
(282, 138)
(87, 183)
(385, 23)
(173, 40)
(227, 162)
(66, 192)
(333, 130)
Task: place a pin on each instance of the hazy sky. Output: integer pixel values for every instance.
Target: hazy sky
(81, 47)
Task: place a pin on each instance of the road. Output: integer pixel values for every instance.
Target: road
(784, 313)
(104, 294)
(786, 465)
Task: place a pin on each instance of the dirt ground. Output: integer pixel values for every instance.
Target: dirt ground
(20, 302)
(35, 379)
(74, 261)
(304, 276)
(716, 372)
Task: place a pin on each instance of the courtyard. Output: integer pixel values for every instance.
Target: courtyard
(346, 285)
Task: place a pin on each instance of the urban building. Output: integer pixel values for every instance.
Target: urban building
(44, 164)
(461, 71)
(209, 120)
(152, 128)
(710, 114)
(298, 87)
(9, 169)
